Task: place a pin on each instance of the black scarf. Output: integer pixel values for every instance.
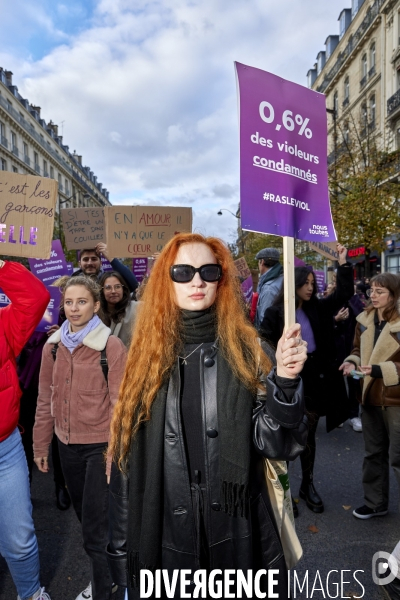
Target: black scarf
(146, 472)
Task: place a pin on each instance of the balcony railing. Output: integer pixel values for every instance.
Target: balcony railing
(372, 125)
(346, 102)
(45, 173)
(37, 168)
(4, 141)
(363, 81)
(15, 151)
(353, 42)
(371, 72)
(60, 187)
(27, 160)
(393, 103)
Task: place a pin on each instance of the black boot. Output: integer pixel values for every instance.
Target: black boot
(63, 500)
(295, 508)
(310, 495)
(307, 490)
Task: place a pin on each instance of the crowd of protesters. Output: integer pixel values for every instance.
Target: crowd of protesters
(135, 401)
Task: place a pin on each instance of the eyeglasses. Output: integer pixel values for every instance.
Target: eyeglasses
(185, 273)
(375, 292)
(117, 287)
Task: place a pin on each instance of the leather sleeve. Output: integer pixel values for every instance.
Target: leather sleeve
(279, 425)
(118, 526)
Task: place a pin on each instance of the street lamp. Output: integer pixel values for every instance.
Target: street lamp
(229, 211)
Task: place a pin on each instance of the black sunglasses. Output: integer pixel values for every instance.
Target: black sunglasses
(185, 273)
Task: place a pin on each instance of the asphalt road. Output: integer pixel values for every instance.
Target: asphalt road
(336, 539)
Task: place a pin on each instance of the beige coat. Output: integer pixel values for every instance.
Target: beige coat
(74, 397)
(384, 391)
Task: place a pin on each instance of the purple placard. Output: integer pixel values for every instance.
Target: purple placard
(298, 262)
(51, 269)
(320, 280)
(70, 268)
(283, 158)
(140, 268)
(4, 300)
(247, 289)
(52, 312)
(106, 265)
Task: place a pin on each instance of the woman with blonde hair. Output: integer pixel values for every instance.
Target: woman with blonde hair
(199, 406)
(376, 357)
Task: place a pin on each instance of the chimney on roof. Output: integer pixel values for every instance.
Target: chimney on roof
(54, 127)
(36, 108)
(8, 77)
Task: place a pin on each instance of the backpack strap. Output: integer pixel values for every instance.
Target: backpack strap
(54, 351)
(104, 363)
(103, 360)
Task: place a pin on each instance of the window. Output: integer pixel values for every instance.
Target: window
(364, 114)
(51, 172)
(45, 171)
(336, 103)
(66, 187)
(347, 89)
(354, 7)
(393, 264)
(26, 151)
(372, 56)
(13, 140)
(372, 109)
(364, 66)
(15, 170)
(346, 131)
(342, 24)
(3, 165)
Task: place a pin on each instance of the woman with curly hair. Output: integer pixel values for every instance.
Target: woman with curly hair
(119, 310)
(200, 405)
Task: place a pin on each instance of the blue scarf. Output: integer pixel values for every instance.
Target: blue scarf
(71, 339)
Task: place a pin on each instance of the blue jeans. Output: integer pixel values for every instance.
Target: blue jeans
(18, 543)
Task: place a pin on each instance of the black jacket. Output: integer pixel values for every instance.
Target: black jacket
(279, 432)
(323, 382)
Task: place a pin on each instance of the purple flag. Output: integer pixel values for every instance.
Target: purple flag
(283, 158)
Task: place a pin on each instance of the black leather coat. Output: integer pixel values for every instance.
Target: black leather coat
(279, 432)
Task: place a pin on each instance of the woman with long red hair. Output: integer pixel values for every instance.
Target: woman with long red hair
(200, 405)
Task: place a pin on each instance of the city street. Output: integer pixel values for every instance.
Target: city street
(332, 540)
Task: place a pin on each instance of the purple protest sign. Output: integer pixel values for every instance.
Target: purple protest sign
(51, 269)
(140, 268)
(105, 264)
(283, 157)
(320, 280)
(247, 289)
(52, 311)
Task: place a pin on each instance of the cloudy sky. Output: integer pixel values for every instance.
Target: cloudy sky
(146, 90)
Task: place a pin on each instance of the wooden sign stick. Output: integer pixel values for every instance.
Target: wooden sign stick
(288, 282)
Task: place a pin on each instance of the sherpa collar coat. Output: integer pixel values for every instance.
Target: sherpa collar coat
(384, 391)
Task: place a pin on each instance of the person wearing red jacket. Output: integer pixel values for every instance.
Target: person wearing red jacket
(18, 543)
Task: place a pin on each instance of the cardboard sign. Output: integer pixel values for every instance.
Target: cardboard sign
(242, 268)
(283, 157)
(142, 230)
(83, 227)
(50, 270)
(327, 249)
(27, 206)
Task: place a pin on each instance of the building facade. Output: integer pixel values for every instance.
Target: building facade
(359, 72)
(31, 146)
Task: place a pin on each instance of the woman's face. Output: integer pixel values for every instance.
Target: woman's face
(380, 296)
(113, 290)
(79, 306)
(306, 291)
(196, 294)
